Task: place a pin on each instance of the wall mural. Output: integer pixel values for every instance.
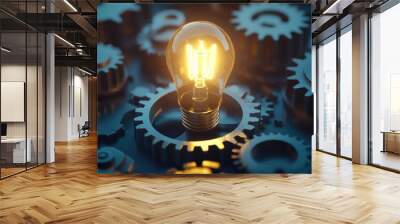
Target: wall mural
(204, 88)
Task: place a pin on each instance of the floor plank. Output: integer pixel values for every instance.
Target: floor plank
(70, 191)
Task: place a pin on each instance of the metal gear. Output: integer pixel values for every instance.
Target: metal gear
(302, 74)
(152, 32)
(108, 57)
(111, 160)
(113, 12)
(273, 20)
(267, 108)
(249, 157)
(177, 151)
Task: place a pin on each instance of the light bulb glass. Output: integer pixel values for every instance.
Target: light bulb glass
(200, 57)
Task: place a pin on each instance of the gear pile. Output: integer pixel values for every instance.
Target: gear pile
(270, 20)
(174, 151)
(113, 12)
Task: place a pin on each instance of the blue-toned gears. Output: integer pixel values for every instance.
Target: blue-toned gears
(108, 57)
(273, 153)
(267, 108)
(111, 160)
(113, 12)
(112, 79)
(273, 20)
(182, 149)
(302, 74)
(154, 37)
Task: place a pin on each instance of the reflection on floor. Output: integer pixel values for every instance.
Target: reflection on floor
(11, 169)
(70, 191)
(387, 159)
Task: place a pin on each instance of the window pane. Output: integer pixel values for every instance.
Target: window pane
(327, 96)
(346, 94)
(386, 88)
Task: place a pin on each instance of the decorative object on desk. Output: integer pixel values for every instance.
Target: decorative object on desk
(84, 129)
(3, 130)
(175, 116)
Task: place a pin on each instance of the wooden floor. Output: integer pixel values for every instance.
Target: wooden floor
(70, 191)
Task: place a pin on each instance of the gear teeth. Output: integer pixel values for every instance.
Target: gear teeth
(140, 126)
(159, 90)
(302, 74)
(253, 119)
(164, 145)
(244, 19)
(110, 54)
(140, 110)
(249, 98)
(220, 145)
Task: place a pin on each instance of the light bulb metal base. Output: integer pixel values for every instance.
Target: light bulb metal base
(200, 122)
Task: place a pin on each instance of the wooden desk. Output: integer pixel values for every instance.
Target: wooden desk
(17, 147)
(391, 141)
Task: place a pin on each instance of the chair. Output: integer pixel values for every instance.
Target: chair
(84, 130)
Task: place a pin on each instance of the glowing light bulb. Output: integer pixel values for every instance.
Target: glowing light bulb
(200, 57)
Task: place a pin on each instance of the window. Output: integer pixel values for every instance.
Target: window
(346, 92)
(327, 95)
(385, 89)
(22, 75)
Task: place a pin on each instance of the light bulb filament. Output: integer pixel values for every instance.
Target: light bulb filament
(201, 63)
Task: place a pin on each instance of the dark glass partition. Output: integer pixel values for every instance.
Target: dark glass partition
(22, 78)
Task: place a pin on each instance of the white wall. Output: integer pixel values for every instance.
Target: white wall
(16, 73)
(71, 94)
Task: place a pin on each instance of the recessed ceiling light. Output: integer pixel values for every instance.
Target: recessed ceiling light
(84, 71)
(70, 5)
(5, 50)
(64, 40)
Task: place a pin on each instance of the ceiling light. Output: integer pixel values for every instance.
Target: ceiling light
(327, 11)
(84, 71)
(64, 40)
(337, 7)
(70, 5)
(5, 50)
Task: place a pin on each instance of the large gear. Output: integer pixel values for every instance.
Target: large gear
(155, 33)
(302, 74)
(273, 20)
(113, 12)
(108, 57)
(249, 157)
(178, 152)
